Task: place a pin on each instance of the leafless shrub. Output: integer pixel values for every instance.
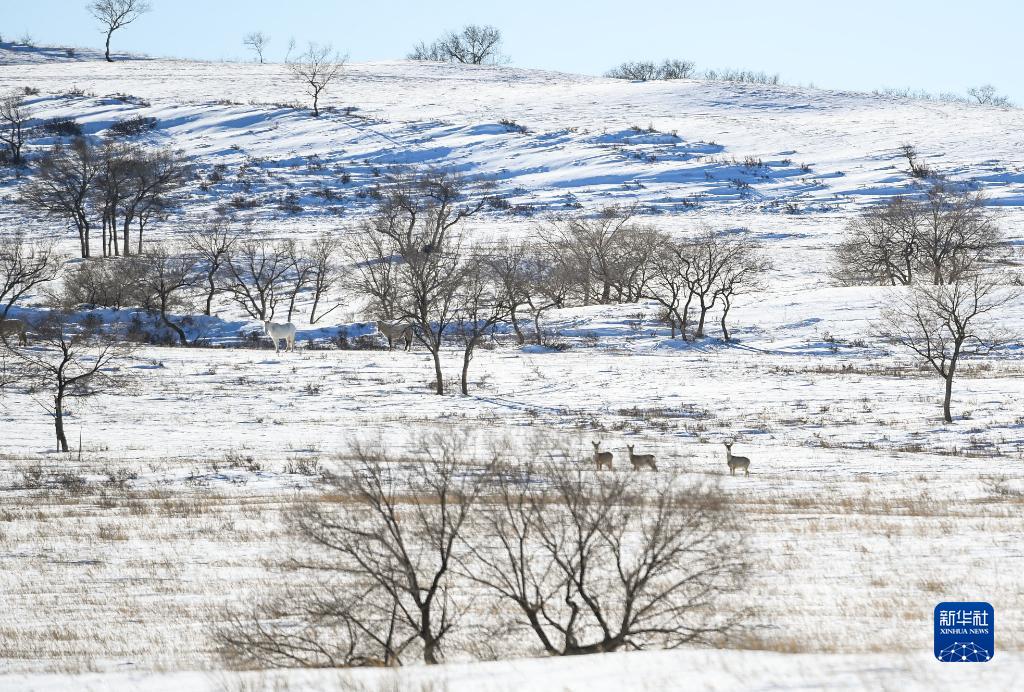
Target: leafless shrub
(637, 71)
(987, 95)
(676, 69)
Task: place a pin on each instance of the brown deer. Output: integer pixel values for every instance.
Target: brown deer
(641, 460)
(602, 459)
(735, 462)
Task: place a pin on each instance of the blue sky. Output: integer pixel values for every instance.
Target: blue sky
(935, 45)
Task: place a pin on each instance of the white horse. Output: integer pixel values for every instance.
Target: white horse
(280, 331)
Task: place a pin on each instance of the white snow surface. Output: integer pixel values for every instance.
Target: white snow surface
(865, 510)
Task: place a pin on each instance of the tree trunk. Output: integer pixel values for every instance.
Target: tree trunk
(107, 54)
(312, 311)
(467, 356)
(946, 415)
(178, 330)
(700, 324)
(210, 293)
(725, 313)
(515, 326)
(58, 419)
(435, 351)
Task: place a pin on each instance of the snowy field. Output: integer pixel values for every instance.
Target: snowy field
(864, 510)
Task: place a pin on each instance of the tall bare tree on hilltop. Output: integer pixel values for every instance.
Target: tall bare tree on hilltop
(115, 14)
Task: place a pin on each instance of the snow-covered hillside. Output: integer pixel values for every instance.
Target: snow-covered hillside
(575, 140)
(859, 497)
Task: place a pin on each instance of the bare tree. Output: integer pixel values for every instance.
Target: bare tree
(254, 273)
(472, 45)
(14, 117)
(551, 280)
(325, 276)
(944, 323)
(212, 241)
(481, 304)
(23, 267)
(116, 14)
(401, 532)
(256, 41)
(166, 273)
(669, 283)
(743, 273)
(411, 256)
(69, 362)
(316, 69)
(508, 263)
(63, 186)
(599, 564)
(154, 178)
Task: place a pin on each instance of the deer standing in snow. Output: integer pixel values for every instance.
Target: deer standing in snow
(641, 460)
(602, 459)
(735, 462)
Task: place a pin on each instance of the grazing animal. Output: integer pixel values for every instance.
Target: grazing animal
(602, 459)
(393, 331)
(280, 331)
(641, 460)
(735, 462)
(8, 327)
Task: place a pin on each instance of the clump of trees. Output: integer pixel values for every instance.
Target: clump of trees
(413, 267)
(574, 564)
(116, 14)
(943, 247)
(119, 188)
(646, 70)
(472, 45)
(943, 237)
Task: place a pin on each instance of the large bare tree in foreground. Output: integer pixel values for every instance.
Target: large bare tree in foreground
(393, 543)
(597, 564)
